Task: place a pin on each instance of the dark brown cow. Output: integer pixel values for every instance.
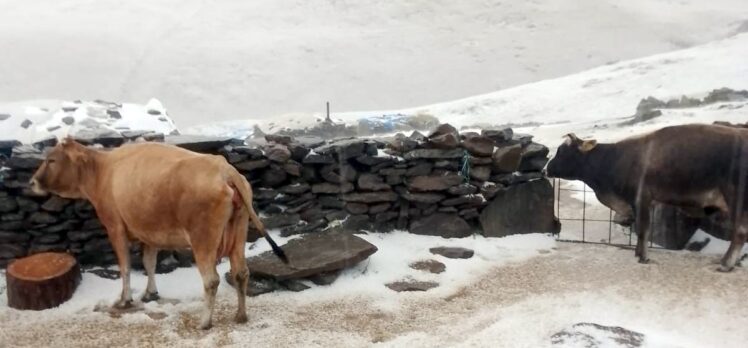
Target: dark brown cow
(692, 166)
(167, 198)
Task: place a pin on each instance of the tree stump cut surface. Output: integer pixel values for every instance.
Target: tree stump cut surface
(42, 281)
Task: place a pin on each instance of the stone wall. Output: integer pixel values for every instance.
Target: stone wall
(435, 185)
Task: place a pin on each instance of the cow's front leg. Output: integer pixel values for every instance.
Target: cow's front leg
(150, 256)
(644, 230)
(121, 246)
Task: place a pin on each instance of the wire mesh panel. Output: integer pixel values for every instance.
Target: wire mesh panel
(584, 219)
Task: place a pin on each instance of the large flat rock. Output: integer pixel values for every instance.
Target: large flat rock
(313, 254)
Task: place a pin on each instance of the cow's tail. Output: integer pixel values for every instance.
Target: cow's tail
(241, 186)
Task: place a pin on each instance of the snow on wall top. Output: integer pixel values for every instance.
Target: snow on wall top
(31, 121)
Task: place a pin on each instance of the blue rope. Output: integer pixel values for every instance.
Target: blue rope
(465, 169)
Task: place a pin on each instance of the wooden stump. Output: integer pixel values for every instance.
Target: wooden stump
(42, 280)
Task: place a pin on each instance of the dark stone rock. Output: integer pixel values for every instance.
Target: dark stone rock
(420, 169)
(498, 136)
(312, 214)
(252, 152)
(447, 210)
(315, 158)
(453, 252)
(279, 139)
(534, 150)
(55, 204)
(507, 159)
(401, 144)
(331, 202)
(202, 144)
(347, 172)
(379, 208)
(294, 285)
(431, 266)
(274, 176)
(473, 200)
(434, 183)
(469, 214)
(516, 178)
(248, 166)
(26, 123)
(11, 251)
(328, 173)
(463, 189)
(313, 254)
(535, 164)
(78, 236)
(4, 116)
(325, 278)
(48, 141)
(393, 171)
(479, 146)
(335, 215)
(448, 165)
(292, 168)
(281, 220)
(25, 157)
(50, 238)
(42, 218)
(7, 217)
(344, 149)
(65, 226)
(298, 152)
(104, 273)
(264, 194)
(725, 95)
(591, 335)
(441, 224)
(330, 188)
(523, 208)
(13, 237)
(444, 137)
(273, 209)
(357, 223)
(295, 189)
(302, 206)
(92, 224)
(433, 154)
(356, 208)
(370, 197)
(102, 136)
(411, 285)
(277, 153)
(373, 160)
(43, 248)
(13, 225)
(8, 204)
(430, 198)
(234, 158)
(371, 182)
(480, 173)
(417, 136)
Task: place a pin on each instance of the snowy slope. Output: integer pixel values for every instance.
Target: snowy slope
(602, 97)
(234, 59)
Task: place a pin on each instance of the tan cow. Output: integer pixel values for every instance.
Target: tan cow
(167, 198)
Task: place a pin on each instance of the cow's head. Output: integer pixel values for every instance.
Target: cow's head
(570, 157)
(63, 170)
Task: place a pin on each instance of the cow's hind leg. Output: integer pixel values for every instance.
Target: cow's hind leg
(150, 255)
(239, 271)
(643, 230)
(206, 264)
(739, 235)
(121, 246)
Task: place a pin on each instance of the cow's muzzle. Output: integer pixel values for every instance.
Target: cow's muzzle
(36, 187)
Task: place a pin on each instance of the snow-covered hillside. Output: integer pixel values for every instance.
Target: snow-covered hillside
(235, 59)
(590, 103)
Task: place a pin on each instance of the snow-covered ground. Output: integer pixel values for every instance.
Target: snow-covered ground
(516, 292)
(236, 59)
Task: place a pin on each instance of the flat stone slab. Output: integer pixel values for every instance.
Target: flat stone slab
(312, 254)
(411, 285)
(453, 252)
(594, 335)
(431, 266)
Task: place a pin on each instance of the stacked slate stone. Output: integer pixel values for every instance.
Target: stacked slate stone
(438, 184)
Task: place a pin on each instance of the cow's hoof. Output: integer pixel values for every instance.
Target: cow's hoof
(725, 269)
(123, 304)
(240, 318)
(150, 297)
(643, 261)
(205, 325)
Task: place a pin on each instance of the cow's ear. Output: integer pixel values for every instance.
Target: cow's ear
(588, 145)
(571, 138)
